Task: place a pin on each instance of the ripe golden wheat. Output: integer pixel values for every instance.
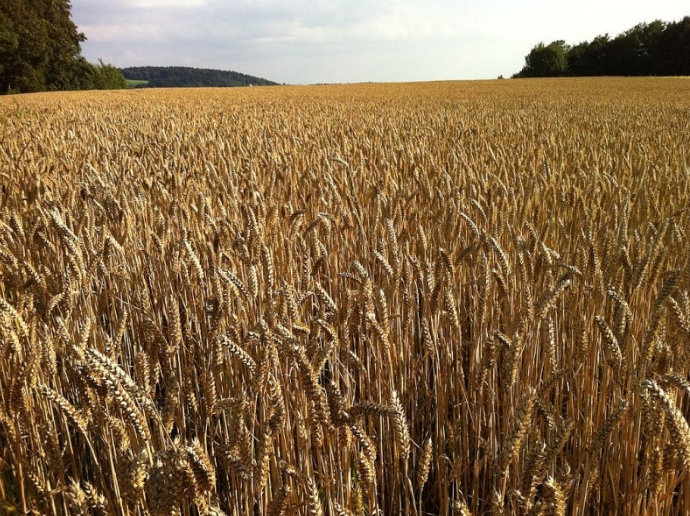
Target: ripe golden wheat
(443, 298)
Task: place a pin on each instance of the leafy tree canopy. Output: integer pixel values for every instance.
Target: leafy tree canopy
(40, 49)
(657, 48)
(546, 60)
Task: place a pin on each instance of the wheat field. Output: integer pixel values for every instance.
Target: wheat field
(397, 299)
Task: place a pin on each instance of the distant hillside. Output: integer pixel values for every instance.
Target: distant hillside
(186, 77)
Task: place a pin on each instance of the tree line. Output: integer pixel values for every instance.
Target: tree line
(186, 77)
(656, 48)
(40, 50)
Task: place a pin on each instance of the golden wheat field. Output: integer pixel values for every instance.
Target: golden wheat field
(384, 299)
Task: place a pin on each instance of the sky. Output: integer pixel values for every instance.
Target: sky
(344, 41)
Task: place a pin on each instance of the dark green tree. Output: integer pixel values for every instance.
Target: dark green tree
(40, 49)
(636, 51)
(546, 60)
(24, 52)
(9, 44)
(672, 49)
(64, 67)
(589, 58)
(656, 48)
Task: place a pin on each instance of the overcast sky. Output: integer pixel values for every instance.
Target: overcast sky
(315, 41)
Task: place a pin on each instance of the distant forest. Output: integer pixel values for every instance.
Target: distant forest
(657, 48)
(186, 77)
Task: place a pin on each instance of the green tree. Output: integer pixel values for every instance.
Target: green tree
(9, 44)
(674, 48)
(25, 50)
(64, 67)
(656, 48)
(589, 58)
(546, 60)
(107, 77)
(636, 51)
(40, 47)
